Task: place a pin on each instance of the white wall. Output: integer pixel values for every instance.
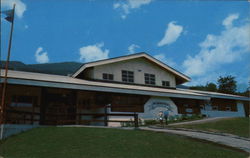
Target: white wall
(12, 129)
(156, 104)
(139, 66)
(215, 113)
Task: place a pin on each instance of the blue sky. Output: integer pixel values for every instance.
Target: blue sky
(204, 40)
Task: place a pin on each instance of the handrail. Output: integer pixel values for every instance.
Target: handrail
(77, 119)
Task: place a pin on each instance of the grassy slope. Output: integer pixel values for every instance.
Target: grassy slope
(56, 142)
(237, 126)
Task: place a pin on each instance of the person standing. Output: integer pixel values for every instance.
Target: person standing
(166, 113)
(161, 115)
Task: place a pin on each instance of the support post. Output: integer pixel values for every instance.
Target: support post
(33, 110)
(136, 120)
(106, 115)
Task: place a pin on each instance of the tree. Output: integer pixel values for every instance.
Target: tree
(200, 87)
(227, 84)
(211, 87)
(246, 93)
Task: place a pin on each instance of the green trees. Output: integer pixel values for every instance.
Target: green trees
(227, 84)
(210, 86)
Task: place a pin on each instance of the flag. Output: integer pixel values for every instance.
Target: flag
(9, 15)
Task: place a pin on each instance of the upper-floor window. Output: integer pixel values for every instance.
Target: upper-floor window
(107, 76)
(166, 83)
(149, 78)
(127, 76)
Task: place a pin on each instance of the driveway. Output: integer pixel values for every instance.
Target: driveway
(211, 119)
(240, 143)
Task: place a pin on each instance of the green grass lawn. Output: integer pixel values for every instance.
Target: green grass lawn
(66, 142)
(236, 126)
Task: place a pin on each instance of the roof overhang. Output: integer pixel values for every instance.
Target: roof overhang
(57, 81)
(218, 95)
(104, 89)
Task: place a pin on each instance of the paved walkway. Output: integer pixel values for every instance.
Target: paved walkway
(242, 144)
(228, 140)
(209, 119)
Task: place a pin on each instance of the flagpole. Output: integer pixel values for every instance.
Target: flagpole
(2, 112)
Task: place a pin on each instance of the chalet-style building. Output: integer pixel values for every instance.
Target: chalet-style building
(136, 85)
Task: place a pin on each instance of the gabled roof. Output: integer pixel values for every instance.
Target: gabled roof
(180, 75)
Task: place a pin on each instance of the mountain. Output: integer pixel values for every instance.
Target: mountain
(62, 68)
(182, 86)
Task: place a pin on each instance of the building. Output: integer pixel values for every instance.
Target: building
(136, 85)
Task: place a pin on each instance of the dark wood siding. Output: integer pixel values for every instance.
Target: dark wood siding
(224, 103)
(128, 103)
(184, 104)
(22, 104)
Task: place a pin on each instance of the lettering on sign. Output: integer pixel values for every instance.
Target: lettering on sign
(189, 110)
(160, 104)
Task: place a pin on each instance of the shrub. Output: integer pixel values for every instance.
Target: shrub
(184, 117)
(140, 122)
(150, 122)
(128, 123)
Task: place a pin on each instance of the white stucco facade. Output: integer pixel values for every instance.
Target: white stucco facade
(209, 112)
(156, 104)
(139, 66)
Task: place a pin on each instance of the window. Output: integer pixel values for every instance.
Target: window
(228, 108)
(106, 76)
(202, 107)
(165, 83)
(149, 78)
(23, 101)
(214, 107)
(127, 76)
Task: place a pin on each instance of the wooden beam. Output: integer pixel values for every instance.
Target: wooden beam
(136, 120)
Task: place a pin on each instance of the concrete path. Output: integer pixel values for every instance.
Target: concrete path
(227, 140)
(242, 144)
(212, 119)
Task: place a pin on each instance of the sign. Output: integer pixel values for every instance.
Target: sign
(189, 110)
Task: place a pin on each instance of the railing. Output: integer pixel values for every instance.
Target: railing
(26, 117)
(21, 117)
(105, 120)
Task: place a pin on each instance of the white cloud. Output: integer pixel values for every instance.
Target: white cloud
(228, 22)
(216, 50)
(138, 3)
(93, 52)
(203, 80)
(41, 57)
(125, 7)
(165, 60)
(132, 48)
(172, 33)
(116, 5)
(20, 6)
